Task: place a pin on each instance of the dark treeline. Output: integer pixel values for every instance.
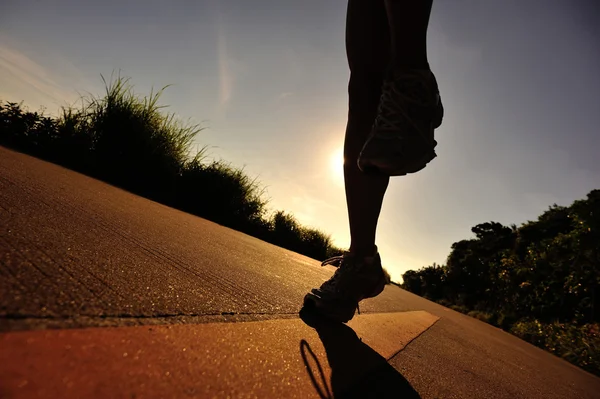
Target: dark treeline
(539, 281)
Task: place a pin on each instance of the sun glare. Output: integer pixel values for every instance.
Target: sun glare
(337, 166)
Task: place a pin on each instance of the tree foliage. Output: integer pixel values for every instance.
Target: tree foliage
(546, 271)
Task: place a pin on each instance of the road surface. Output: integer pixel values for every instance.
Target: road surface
(86, 265)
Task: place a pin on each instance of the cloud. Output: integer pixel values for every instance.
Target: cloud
(285, 95)
(29, 74)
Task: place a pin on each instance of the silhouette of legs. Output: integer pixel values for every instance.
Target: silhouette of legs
(408, 21)
(378, 34)
(394, 107)
(368, 52)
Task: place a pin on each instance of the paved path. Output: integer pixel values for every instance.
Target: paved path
(77, 254)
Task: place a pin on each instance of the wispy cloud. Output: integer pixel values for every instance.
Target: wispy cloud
(285, 95)
(31, 75)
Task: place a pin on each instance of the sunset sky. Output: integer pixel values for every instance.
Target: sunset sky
(267, 78)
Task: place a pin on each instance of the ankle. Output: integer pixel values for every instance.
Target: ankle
(363, 251)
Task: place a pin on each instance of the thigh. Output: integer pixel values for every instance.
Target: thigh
(368, 50)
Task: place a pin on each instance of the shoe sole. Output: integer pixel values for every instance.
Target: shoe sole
(313, 302)
(371, 168)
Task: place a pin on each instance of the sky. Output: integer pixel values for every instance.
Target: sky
(268, 81)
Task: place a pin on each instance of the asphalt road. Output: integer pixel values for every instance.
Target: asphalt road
(76, 252)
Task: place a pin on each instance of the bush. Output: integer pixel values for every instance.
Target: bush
(545, 270)
(287, 232)
(579, 345)
(134, 144)
(479, 315)
(26, 131)
(221, 193)
(129, 141)
(460, 309)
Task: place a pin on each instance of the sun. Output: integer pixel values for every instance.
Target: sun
(336, 164)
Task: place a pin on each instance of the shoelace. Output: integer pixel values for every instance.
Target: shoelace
(393, 100)
(338, 261)
(335, 261)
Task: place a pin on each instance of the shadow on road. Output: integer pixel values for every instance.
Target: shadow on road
(357, 371)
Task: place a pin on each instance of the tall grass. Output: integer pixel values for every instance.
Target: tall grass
(130, 141)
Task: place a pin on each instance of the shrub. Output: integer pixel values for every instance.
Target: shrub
(479, 315)
(579, 345)
(129, 141)
(222, 193)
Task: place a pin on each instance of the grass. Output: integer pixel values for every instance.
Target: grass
(131, 141)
